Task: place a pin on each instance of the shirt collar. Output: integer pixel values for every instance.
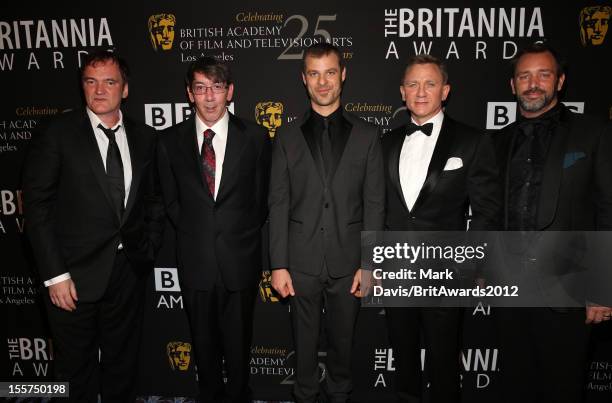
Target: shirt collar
(95, 120)
(220, 127)
(552, 114)
(333, 117)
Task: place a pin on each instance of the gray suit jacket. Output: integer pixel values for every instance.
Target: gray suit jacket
(315, 219)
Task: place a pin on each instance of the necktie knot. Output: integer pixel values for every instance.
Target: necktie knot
(208, 136)
(426, 129)
(110, 133)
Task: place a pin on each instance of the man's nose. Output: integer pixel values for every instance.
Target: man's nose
(533, 82)
(420, 91)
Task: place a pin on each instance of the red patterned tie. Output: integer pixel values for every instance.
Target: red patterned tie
(208, 160)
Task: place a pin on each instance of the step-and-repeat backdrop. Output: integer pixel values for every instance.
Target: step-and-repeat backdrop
(41, 46)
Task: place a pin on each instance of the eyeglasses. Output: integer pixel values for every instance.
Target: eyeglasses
(216, 88)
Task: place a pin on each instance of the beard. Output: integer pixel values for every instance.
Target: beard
(536, 105)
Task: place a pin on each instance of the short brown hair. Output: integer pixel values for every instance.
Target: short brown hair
(321, 49)
(539, 47)
(105, 56)
(427, 59)
(213, 69)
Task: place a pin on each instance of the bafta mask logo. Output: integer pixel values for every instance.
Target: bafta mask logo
(594, 24)
(179, 355)
(161, 30)
(269, 115)
(265, 288)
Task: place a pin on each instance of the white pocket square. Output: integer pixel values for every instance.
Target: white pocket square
(453, 163)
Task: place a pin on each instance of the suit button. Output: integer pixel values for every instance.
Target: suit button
(412, 217)
(326, 205)
(321, 229)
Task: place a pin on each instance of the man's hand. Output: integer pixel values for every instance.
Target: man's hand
(597, 313)
(362, 283)
(281, 282)
(63, 295)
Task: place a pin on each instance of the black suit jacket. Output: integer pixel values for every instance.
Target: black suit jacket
(222, 236)
(313, 217)
(576, 195)
(442, 204)
(70, 219)
(576, 191)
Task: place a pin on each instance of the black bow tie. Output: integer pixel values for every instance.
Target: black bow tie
(427, 128)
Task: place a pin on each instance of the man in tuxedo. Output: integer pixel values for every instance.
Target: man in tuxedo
(556, 168)
(435, 168)
(93, 216)
(214, 170)
(326, 187)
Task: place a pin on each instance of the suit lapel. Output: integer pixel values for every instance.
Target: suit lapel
(308, 132)
(188, 144)
(91, 150)
(236, 142)
(339, 146)
(551, 177)
(394, 157)
(137, 158)
(438, 160)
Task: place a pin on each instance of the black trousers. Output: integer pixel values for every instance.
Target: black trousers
(97, 345)
(341, 307)
(441, 329)
(221, 323)
(543, 354)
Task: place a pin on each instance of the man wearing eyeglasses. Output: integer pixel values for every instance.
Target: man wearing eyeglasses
(214, 172)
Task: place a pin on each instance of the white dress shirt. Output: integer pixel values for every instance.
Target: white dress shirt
(415, 158)
(124, 150)
(219, 142)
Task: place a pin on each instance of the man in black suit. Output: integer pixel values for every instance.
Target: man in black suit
(435, 168)
(556, 167)
(326, 187)
(214, 171)
(93, 215)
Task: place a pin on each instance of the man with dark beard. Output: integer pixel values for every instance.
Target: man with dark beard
(556, 167)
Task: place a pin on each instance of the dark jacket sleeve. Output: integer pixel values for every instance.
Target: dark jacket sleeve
(41, 176)
(278, 203)
(374, 188)
(484, 187)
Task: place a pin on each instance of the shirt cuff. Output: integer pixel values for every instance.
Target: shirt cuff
(57, 279)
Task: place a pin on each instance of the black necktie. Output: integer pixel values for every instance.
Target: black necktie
(326, 147)
(114, 170)
(427, 128)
